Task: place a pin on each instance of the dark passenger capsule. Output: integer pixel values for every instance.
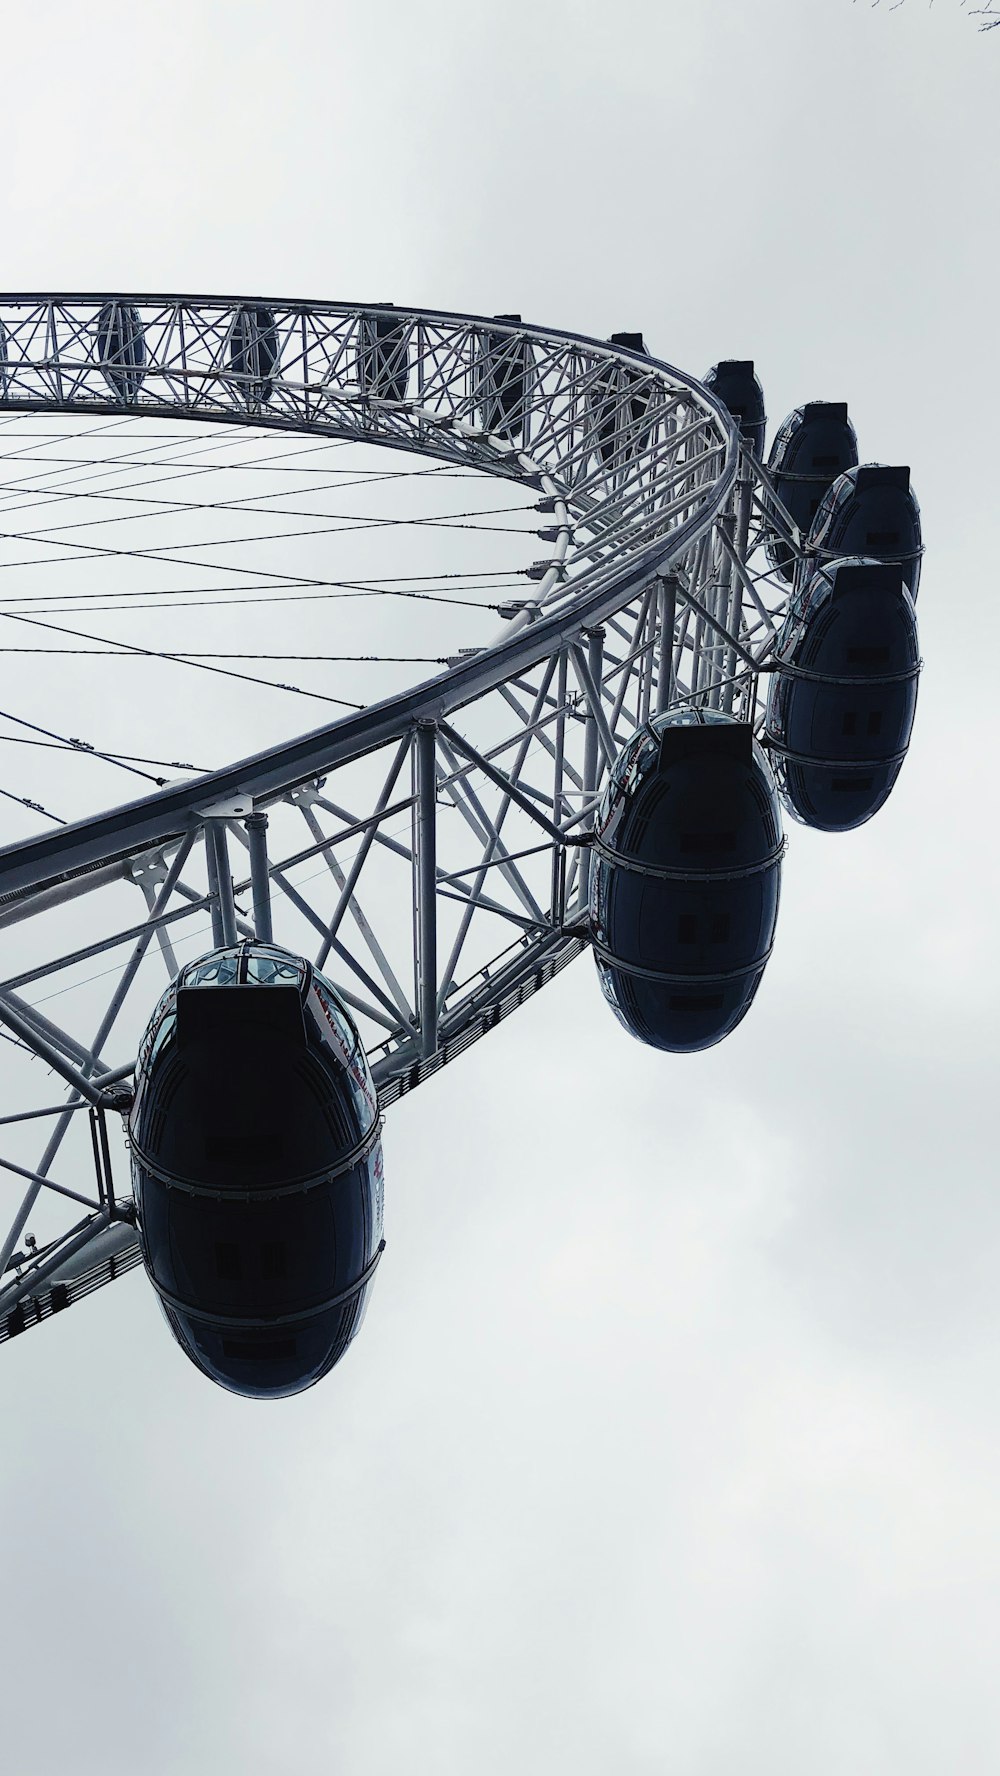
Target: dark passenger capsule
(871, 511)
(121, 348)
(383, 357)
(733, 382)
(840, 705)
(684, 881)
(815, 444)
(501, 376)
(253, 352)
(257, 1169)
(620, 402)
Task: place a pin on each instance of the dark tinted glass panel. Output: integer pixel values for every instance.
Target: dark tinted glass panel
(868, 656)
(262, 1350)
(710, 841)
(260, 1146)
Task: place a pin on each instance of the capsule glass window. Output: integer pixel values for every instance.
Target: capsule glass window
(271, 971)
(217, 971)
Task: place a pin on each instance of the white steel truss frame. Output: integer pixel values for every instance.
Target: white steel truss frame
(443, 832)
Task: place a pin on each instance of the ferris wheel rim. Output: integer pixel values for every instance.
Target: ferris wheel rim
(118, 832)
(656, 603)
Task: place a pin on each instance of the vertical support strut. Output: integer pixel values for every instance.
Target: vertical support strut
(697, 583)
(212, 866)
(260, 881)
(668, 618)
(650, 633)
(559, 853)
(425, 882)
(102, 1159)
(744, 502)
(723, 654)
(220, 884)
(591, 754)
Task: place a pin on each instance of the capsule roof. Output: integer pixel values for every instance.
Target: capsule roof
(872, 511)
(246, 964)
(735, 383)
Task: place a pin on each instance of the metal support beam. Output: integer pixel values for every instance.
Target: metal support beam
(494, 842)
(633, 668)
(567, 769)
(460, 791)
(723, 657)
(221, 883)
(371, 834)
(738, 538)
(29, 1284)
(592, 737)
(598, 737)
(299, 901)
(667, 611)
(86, 1090)
(748, 587)
(500, 779)
(425, 883)
(375, 949)
(648, 659)
(148, 886)
(196, 900)
(33, 1039)
(51, 1032)
(558, 889)
(705, 616)
(211, 865)
(260, 881)
(47, 1184)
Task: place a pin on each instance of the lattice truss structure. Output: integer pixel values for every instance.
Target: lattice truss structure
(430, 853)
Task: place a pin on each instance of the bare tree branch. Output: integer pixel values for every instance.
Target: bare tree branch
(988, 16)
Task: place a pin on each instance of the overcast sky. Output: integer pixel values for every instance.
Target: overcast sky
(670, 1442)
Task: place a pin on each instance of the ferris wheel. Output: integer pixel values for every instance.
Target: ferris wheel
(691, 640)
